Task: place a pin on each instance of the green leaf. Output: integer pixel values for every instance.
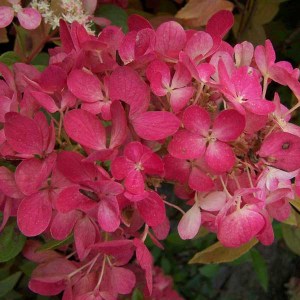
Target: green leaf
(209, 271)
(217, 253)
(260, 268)
(42, 59)
(9, 58)
(11, 242)
(137, 295)
(7, 284)
(115, 14)
(54, 244)
(27, 267)
(291, 236)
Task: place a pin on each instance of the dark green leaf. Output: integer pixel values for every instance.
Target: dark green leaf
(291, 236)
(42, 59)
(209, 271)
(11, 242)
(9, 58)
(54, 244)
(260, 268)
(7, 284)
(115, 14)
(137, 295)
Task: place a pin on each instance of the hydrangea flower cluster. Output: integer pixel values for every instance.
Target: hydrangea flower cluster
(94, 136)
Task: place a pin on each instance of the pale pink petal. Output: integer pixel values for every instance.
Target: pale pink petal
(29, 18)
(187, 145)
(198, 45)
(197, 120)
(6, 16)
(34, 214)
(189, 224)
(199, 181)
(228, 125)
(85, 128)
(170, 39)
(219, 157)
(243, 53)
(214, 201)
(85, 86)
(155, 125)
(180, 97)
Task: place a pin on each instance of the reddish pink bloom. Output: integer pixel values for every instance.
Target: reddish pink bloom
(197, 139)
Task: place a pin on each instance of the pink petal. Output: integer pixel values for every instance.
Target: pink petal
(187, 145)
(219, 157)
(190, 223)
(29, 18)
(5, 107)
(243, 53)
(199, 181)
(176, 169)
(45, 288)
(180, 97)
(45, 101)
(34, 214)
(134, 151)
(134, 182)
(62, 224)
(260, 107)
(71, 198)
(182, 76)
(119, 125)
(158, 73)
(170, 39)
(123, 280)
(282, 150)
(265, 56)
(121, 167)
(91, 92)
(53, 79)
(126, 84)
(153, 164)
(152, 209)
(155, 125)
(220, 23)
(6, 16)
(196, 119)
(8, 184)
(127, 47)
(84, 235)
(228, 125)
(137, 23)
(31, 173)
(145, 260)
(198, 45)
(23, 134)
(85, 128)
(240, 227)
(109, 214)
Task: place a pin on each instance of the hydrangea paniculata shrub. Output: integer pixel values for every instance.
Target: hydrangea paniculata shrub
(94, 136)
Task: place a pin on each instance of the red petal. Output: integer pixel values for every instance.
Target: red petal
(152, 209)
(84, 235)
(8, 184)
(137, 23)
(199, 181)
(23, 134)
(34, 214)
(187, 145)
(220, 23)
(134, 182)
(85, 86)
(155, 125)
(119, 125)
(109, 214)
(123, 280)
(85, 128)
(121, 167)
(45, 101)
